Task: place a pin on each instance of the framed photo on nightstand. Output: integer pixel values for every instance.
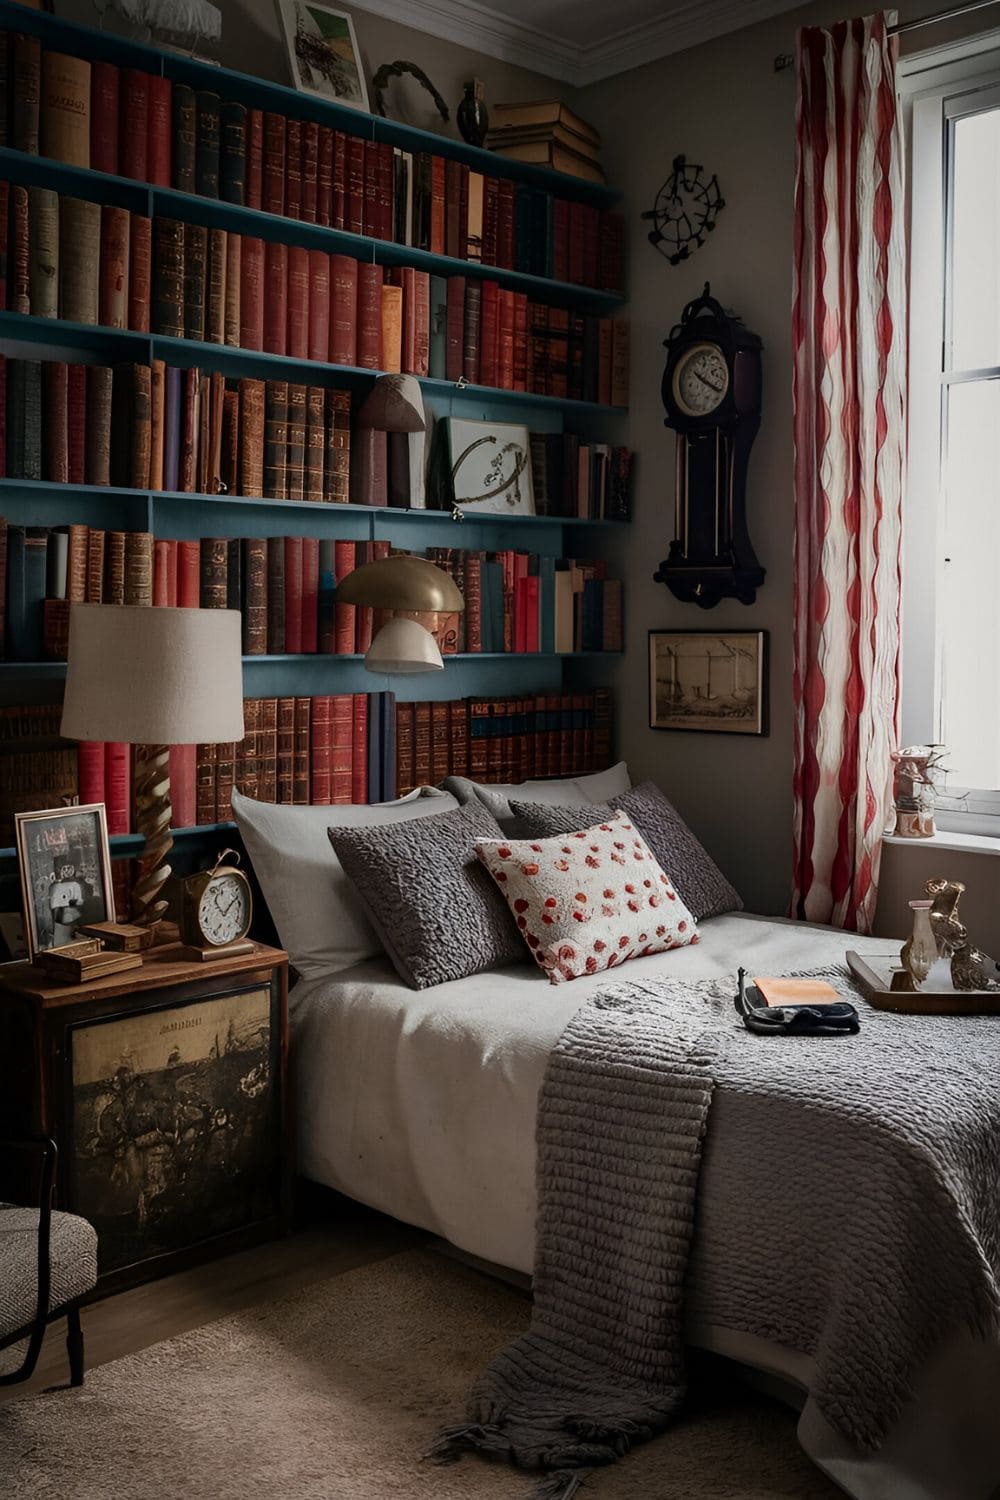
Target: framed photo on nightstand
(64, 861)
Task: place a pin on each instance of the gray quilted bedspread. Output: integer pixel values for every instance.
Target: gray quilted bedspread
(844, 1201)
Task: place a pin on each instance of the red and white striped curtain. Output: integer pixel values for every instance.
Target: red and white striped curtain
(849, 330)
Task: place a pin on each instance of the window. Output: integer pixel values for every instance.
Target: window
(951, 615)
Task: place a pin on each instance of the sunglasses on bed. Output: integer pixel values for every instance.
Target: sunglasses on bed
(838, 1019)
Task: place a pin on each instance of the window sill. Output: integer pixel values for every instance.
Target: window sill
(965, 843)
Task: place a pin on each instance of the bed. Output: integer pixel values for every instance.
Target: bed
(421, 1103)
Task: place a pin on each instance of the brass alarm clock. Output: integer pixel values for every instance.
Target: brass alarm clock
(217, 909)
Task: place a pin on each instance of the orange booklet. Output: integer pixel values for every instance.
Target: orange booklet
(795, 991)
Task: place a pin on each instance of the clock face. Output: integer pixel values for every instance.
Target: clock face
(701, 379)
(224, 909)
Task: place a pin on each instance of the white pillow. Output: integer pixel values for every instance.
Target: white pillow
(320, 920)
(571, 791)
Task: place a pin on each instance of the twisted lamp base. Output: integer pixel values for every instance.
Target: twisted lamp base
(153, 815)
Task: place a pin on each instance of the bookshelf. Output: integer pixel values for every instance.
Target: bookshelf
(185, 514)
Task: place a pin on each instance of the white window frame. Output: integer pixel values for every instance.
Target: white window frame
(936, 88)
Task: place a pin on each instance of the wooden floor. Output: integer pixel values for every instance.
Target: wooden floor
(334, 1236)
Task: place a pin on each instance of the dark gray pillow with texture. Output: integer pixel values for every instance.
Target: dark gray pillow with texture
(699, 881)
(436, 909)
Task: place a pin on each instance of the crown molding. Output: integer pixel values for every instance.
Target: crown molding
(485, 30)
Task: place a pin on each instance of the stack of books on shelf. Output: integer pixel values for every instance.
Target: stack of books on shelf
(502, 739)
(549, 134)
(144, 126)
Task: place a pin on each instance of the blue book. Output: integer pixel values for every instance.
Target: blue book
(387, 714)
(27, 566)
(438, 335)
(374, 749)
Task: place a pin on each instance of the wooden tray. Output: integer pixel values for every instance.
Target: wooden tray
(874, 975)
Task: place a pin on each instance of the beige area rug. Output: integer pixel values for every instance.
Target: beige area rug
(335, 1392)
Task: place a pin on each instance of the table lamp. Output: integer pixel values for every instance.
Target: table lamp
(152, 678)
(410, 584)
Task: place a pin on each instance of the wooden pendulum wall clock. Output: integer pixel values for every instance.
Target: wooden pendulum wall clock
(711, 392)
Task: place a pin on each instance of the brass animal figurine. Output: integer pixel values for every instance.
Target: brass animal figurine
(970, 968)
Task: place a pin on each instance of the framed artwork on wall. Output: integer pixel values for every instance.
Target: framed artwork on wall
(65, 865)
(323, 52)
(713, 680)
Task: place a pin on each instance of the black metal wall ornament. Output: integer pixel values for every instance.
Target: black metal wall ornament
(397, 70)
(685, 211)
(712, 394)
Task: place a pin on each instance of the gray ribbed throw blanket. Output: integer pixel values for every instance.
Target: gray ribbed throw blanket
(848, 1209)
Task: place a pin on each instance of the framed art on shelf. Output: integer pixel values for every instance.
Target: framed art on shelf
(64, 861)
(712, 680)
(490, 466)
(323, 52)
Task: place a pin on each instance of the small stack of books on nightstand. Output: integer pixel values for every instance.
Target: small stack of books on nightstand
(548, 133)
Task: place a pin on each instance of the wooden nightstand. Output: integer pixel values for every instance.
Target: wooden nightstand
(165, 1090)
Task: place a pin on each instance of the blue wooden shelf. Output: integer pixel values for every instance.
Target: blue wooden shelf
(147, 198)
(126, 845)
(36, 669)
(85, 41)
(128, 344)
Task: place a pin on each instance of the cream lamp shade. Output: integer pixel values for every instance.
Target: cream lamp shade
(153, 676)
(403, 647)
(402, 582)
(395, 403)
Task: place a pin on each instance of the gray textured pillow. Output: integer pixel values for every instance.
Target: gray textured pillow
(436, 909)
(706, 891)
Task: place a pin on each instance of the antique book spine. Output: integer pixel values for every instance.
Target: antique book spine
(455, 334)
(422, 744)
(384, 192)
(138, 568)
(205, 784)
(189, 575)
(79, 260)
(255, 158)
(183, 785)
(43, 243)
(162, 558)
(5, 226)
(538, 347)
(370, 212)
(489, 336)
(114, 568)
(276, 439)
(560, 240)
(421, 322)
(491, 214)
(326, 591)
(273, 180)
(520, 382)
(96, 548)
(402, 276)
(404, 748)
(157, 392)
(293, 168)
(369, 319)
(195, 279)
(505, 359)
(219, 469)
(338, 192)
(251, 480)
(452, 220)
(55, 412)
(173, 403)
(268, 749)
(470, 331)
(315, 442)
(159, 134)
(293, 595)
(297, 333)
(255, 596)
(19, 252)
(439, 742)
(506, 224)
(55, 625)
(252, 293)
(318, 338)
(619, 361)
(324, 176)
(296, 441)
(231, 317)
(64, 111)
(214, 572)
(232, 151)
(234, 573)
(341, 749)
(310, 595)
(206, 145)
(275, 298)
(76, 423)
(392, 329)
(225, 777)
(139, 272)
(276, 596)
(98, 421)
(345, 614)
(344, 310)
(310, 171)
(438, 205)
(168, 298)
(336, 470)
(185, 116)
(26, 71)
(134, 123)
(300, 764)
(190, 411)
(354, 186)
(215, 312)
(605, 361)
(321, 742)
(116, 230)
(203, 418)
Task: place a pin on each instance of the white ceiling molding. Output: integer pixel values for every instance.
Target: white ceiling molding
(485, 30)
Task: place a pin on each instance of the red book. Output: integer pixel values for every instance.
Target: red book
(354, 186)
(114, 286)
(293, 169)
(437, 205)
(319, 306)
(506, 225)
(505, 358)
(520, 382)
(253, 188)
(531, 601)
(309, 614)
(188, 577)
(342, 749)
(76, 421)
(183, 779)
(104, 117)
(324, 176)
(273, 180)
(134, 123)
(371, 213)
(164, 573)
(4, 233)
(159, 130)
(251, 293)
(345, 614)
(90, 772)
(140, 270)
(519, 615)
(320, 750)
(117, 799)
(359, 749)
(491, 215)
(310, 170)
(403, 276)
(343, 310)
(385, 192)
(489, 335)
(298, 299)
(275, 298)
(455, 328)
(453, 244)
(338, 196)
(293, 595)
(369, 350)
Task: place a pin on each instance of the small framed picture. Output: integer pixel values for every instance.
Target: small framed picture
(323, 52)
(709, 680)
(490, 465)
(65, 865)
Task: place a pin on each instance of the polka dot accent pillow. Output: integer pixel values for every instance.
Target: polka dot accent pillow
(588, 901)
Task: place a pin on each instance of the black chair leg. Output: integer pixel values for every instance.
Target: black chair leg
(74, 1345)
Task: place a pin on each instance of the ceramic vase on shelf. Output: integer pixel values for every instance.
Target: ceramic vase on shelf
(920, 951)
(473, 117)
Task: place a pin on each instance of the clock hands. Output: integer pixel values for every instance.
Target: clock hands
(718, 389)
